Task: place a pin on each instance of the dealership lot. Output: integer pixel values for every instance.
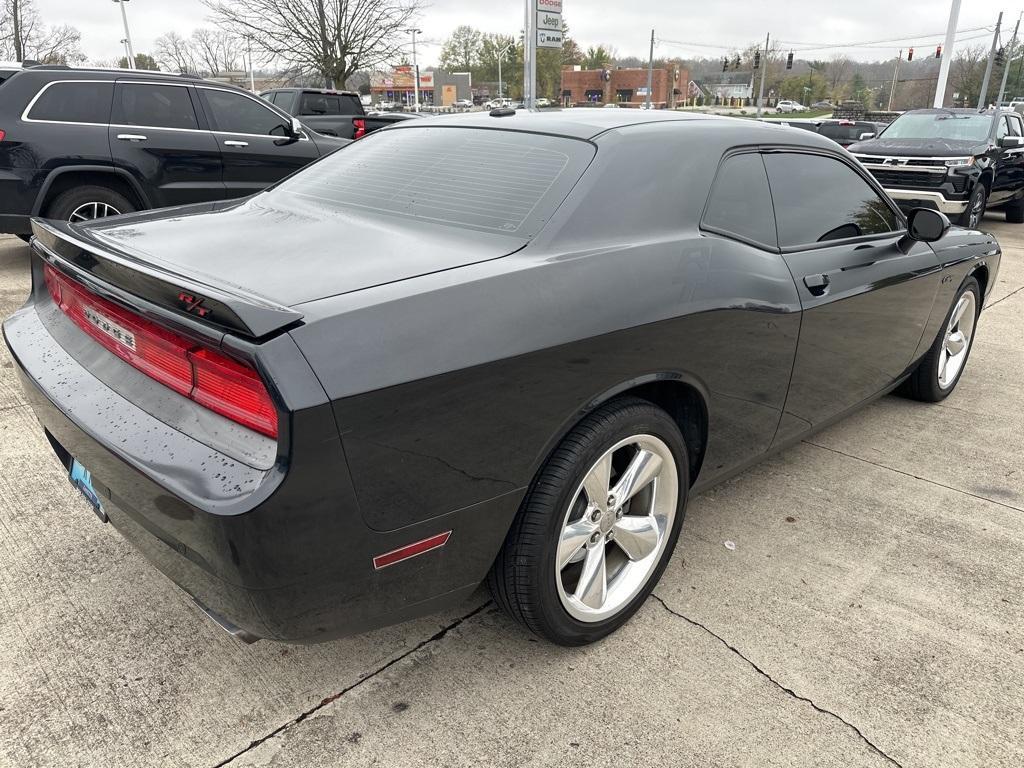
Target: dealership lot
(870, 613)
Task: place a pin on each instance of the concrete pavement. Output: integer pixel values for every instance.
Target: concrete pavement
(871, 613)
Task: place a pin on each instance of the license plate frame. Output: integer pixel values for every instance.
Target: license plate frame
(81, 478)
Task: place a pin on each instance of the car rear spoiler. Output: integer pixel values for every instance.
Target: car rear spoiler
(233, 310)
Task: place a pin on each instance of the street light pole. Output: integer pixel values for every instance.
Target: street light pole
(252, 75)
(415, 69)
(1009, 59)
(764, 71)
(127, 34)
(501, 55)
(124, 42)
(895, 72)
(988, 67)
(650, 71)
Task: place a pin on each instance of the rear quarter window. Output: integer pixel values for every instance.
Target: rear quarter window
(74, 102)
(740, 204)
(505, 182)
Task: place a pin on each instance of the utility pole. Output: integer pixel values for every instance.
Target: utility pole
(501, 55)
(1006, 64)
(415, 70)
(252, 75)
(895, 72)
(764, 71)
(947, 55)
(528, 50)
(650, 71)
(988, 67)
(127, 34)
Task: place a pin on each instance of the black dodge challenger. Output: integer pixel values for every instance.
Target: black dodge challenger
(504, 346)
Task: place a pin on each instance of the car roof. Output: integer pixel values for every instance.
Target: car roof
(588, 122)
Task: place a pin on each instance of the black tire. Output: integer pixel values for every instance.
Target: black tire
(67, 202)
(1015, 212)
(975, 210)
(522, 578)
(923, 383)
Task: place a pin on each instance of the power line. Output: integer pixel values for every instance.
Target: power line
(911, 38)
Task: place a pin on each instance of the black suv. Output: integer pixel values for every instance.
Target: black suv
(958, 161)
(77, 144)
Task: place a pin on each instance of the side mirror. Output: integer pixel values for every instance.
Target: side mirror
(926, 226)
(866, 136)
(295, 128)
(1011, 142)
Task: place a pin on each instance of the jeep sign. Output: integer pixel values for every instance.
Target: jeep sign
(548, 20)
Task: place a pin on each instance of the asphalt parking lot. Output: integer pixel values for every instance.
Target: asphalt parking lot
(871, 613)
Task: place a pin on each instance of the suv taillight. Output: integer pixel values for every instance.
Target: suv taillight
(360, 125)
(210, 378)
(2, 135)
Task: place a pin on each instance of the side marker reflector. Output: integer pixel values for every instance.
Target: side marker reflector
(410, 550)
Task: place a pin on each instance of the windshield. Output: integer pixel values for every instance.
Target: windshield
(940, 125)
(508, 182)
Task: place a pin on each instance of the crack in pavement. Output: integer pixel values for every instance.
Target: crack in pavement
(789, 691)
(334, 697)
(1004, 298)
(916, 477)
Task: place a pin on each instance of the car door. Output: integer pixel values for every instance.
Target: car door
(865, 301)
(1009, 162)
(156, 135)
(254, 140)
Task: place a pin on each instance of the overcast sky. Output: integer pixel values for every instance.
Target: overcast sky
(625, 25)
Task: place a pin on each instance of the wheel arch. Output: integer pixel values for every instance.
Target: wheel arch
(61, 179)
(981, 274)
(681, 395)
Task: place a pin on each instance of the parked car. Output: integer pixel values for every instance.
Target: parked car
(499, 103)
(329, 112)
(958, 161)
(611, 105)
(823, 105)
(312, 441)
(464, 103)
(785, 105)
(84, 143)
(542, 102)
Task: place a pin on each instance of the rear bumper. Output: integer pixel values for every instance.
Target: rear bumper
(292, 559)
(916, 198)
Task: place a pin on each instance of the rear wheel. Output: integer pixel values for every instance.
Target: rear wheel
(86, 203)
(972, 216)
(937, 374)
(598, 526)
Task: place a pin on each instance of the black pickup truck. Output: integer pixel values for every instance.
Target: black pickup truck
(958, 161)
(332, 113)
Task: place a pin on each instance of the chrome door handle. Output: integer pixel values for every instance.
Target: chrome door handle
(130, 137)
(236, 143)
(817, 284)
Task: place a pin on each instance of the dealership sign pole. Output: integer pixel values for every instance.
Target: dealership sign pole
(546, 17)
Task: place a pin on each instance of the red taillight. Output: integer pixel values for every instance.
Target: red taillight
(208, 377)
(360, 125)
(2, 135)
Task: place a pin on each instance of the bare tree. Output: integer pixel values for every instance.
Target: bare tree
(334, 38)
(23, 35)
(837, 71)
(966, 72)
(216, 50)
(174, 53)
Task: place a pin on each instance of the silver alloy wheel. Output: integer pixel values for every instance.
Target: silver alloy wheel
(616, 527)
(957, 342)
(976, 210)
(90, 211)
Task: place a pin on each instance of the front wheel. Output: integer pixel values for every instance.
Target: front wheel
(971, 217)
(937, 374)
(598, 526)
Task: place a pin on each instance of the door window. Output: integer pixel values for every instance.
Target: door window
(79, 102)
(1003, 128)
(741, 203)
(236, 113)
(818, 199)
(154, 106)
(1014, 125)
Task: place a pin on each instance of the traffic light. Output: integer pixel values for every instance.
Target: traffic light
(910, 55)
(725, 65)
(938, 52)
(757, 60)
(789, 61)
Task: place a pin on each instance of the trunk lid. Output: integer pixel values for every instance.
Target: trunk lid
(295, 253)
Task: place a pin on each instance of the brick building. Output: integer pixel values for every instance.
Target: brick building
(624, 86)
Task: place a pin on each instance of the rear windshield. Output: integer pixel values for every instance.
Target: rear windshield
(953, 126)
(471, 178)
(839, 132)
(328, 104)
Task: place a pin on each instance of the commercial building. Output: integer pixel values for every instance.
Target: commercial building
(624, 86)
(437, 87)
